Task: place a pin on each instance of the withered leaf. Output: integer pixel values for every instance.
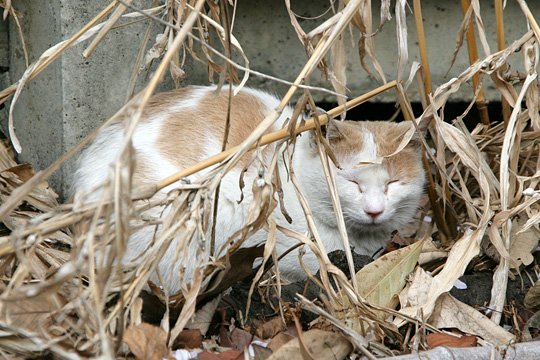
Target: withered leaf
(239, 266)
(322, 344)
(440, 339)
(452, 313)
(532, 298)
(188, 339)
(270, 328)
(279, 340)
(226, 355)
(240, 339)
(146, 342)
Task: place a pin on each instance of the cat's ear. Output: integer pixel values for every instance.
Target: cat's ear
(331, 132)
(415, 132)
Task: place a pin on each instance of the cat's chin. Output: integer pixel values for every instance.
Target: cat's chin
(371, 227)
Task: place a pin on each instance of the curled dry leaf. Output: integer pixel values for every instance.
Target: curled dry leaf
(322, 344)
(146, 342)
(523, 243)
(532, 298)
(440, 339)
(381, 281)
(279, 340)
(452, 313)
(203, 317)
(431, 251)
(33, 314)
(188, 339)
(226, 355)
(270, 328)
(425, 290)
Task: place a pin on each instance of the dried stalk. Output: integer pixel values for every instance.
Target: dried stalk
(105, 29)
(473, 57)
(484, 200)
(501, 44)
(419, 21)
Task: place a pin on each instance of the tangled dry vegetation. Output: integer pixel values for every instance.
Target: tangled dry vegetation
(483, 202)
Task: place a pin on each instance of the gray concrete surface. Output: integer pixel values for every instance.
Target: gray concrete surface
(521, 351)
(74, 95)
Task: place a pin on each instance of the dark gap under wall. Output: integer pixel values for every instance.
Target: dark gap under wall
(385, 111)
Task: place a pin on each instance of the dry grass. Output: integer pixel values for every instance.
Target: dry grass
(485, 180)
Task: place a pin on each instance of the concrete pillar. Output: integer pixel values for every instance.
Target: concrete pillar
(74, 95)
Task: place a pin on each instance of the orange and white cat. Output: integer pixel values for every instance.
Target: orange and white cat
(182, 127)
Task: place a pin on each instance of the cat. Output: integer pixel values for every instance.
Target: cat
(182, 127)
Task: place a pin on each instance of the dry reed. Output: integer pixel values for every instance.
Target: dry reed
(486, 180)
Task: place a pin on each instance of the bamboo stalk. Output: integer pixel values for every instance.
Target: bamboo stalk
(266, 139)
(473, 57)
(419, 21)
(501, 45)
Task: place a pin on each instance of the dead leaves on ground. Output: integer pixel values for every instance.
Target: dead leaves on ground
(314, 344)
(147, 342)
(488, 175)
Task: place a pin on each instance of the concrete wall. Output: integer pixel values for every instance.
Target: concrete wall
(74, 95)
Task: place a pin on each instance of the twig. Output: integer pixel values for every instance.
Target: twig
(105, 29)
(426, 72)
(501, 44)
(530, 17)
(473, 57)
(358, 341)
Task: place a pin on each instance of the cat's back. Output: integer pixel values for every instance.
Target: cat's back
(177, 129)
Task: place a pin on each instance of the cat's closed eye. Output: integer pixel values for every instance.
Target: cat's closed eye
(391, 182)
(361, 188)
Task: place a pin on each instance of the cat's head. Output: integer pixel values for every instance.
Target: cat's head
(377, 193)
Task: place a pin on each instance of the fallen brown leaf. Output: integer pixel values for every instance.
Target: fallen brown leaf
(279, 340)
(270, 328)
(33, 314)
(146, 342)
(532, 298)
(188, 339)
(452, 313)
(226, 355)
(240, 339)
(424, 290)
(239, 265)
(440, 339)
(260, 352)
(322, 344)
(523, 243)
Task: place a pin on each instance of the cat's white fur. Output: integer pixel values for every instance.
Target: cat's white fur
(390, 192)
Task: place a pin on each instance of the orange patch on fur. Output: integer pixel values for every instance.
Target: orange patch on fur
(185, 132)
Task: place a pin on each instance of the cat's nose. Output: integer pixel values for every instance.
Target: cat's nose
(373, 214)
